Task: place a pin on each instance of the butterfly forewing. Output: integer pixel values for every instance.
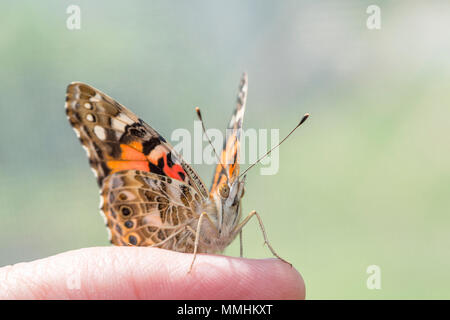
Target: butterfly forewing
(229, 166)
(115, 139)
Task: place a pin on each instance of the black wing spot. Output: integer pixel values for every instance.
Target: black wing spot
(126, 211)
(129, 224)
(137, 133)
(132, 240)
(162, 139)
(136, 130)
(170, 162)
(157, 169)
(151, 144)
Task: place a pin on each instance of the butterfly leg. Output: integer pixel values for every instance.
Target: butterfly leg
(169, 237)
(197, 236)
(266, 241)
(241, 246)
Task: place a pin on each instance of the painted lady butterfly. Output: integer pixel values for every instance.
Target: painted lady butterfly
(149, 195)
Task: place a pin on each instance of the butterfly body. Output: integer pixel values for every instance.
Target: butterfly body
(226, 218)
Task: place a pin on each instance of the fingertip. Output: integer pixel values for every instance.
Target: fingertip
(220, 277)
(270, 279)
(152, 273)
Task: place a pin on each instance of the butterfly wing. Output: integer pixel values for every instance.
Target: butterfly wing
(144, 209)
(229, 169)
(115, 139)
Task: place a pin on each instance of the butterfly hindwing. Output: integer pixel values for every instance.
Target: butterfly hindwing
(115, 139)
(145, 209)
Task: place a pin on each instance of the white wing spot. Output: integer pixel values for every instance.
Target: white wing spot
(77, 132)
(117, 125)
(96, 98)
(125, 118)
(95, 172)
(88, 106)
(87, 150)
(109, 234)
(102, 202)
(74, 104)
(100, 132)
(240, 114)
(90, 117)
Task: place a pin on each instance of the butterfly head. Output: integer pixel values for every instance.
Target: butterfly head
(230, 193)
(226, 198)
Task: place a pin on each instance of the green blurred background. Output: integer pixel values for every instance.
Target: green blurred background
(366, 181)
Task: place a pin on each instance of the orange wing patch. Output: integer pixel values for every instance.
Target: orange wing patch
(230, 160)
(119, 165)
(133, 158)
(132, 152)
(130, 159)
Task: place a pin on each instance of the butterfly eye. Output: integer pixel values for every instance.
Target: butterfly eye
(224, 190)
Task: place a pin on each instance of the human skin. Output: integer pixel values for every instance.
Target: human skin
(149, 273)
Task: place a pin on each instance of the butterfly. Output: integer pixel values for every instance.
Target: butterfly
(149, 196)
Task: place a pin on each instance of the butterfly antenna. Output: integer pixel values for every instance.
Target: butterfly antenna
(199, 114)
(306, 116)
